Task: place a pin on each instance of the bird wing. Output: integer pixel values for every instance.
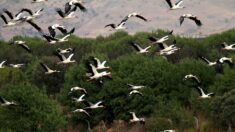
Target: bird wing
(67, 7)
(81, 96)
(61, 56)
(59, 11)
(27, 10)
(86, 113)
(2, 63)
(51, 31)
(206, 60)
(201, 91)
(137, 46)
(181, 20)
(153, 39)
(141, 17)
(72, 10)
(45, 66)
(8, 13)
(196, 20)
(2, 100)
(162, 45)
(40, 10)
(224, 44)
(81, 7)
(62, 30)
(169, 3)
(36, 27)
(26, 47)
(70, 56)
(99, 102)
(179, 2)
(71, 31)
(122, 23)
(93, 69)
(97, 61)
(4, 18)
(111, 25)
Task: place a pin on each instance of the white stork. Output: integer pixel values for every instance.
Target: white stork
(191, 17)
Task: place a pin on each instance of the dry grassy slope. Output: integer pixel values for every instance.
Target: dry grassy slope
(216, 15)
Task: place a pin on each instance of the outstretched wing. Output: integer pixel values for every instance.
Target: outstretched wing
(4, 18)
(45, 66)
(26, 47)
(181, 20)
(27, 10)
(141, 17)
(196, 20)
(169, 3)
(111, 25)
(81, 7)
(8, 13)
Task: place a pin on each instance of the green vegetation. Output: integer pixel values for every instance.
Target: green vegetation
(168, 101)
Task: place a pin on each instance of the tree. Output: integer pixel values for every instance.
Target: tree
(34, 112)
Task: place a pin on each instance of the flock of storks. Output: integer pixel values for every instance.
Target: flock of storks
(27, 15)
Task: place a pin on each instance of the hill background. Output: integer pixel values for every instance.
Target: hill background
(216, 15)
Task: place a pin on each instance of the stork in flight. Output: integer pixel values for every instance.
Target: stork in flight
(94, 106)
(68, 13)
(203, 95)
(4, 102)
(191, 17)
(121, 25)
(81, 111)
(210, 63)
(22, 44)
(65, 60)
(140, 49)
(96, 75)
(48, 37)
(48, 70)
(227, 47)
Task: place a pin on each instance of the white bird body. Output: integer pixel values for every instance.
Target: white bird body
(80, 99)
(81, 111)
(135, 118)
(163, 39)
(101, 65)
(2, 64)
(203, 95)
(65, 60)
(174, 6)
(16, 65)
